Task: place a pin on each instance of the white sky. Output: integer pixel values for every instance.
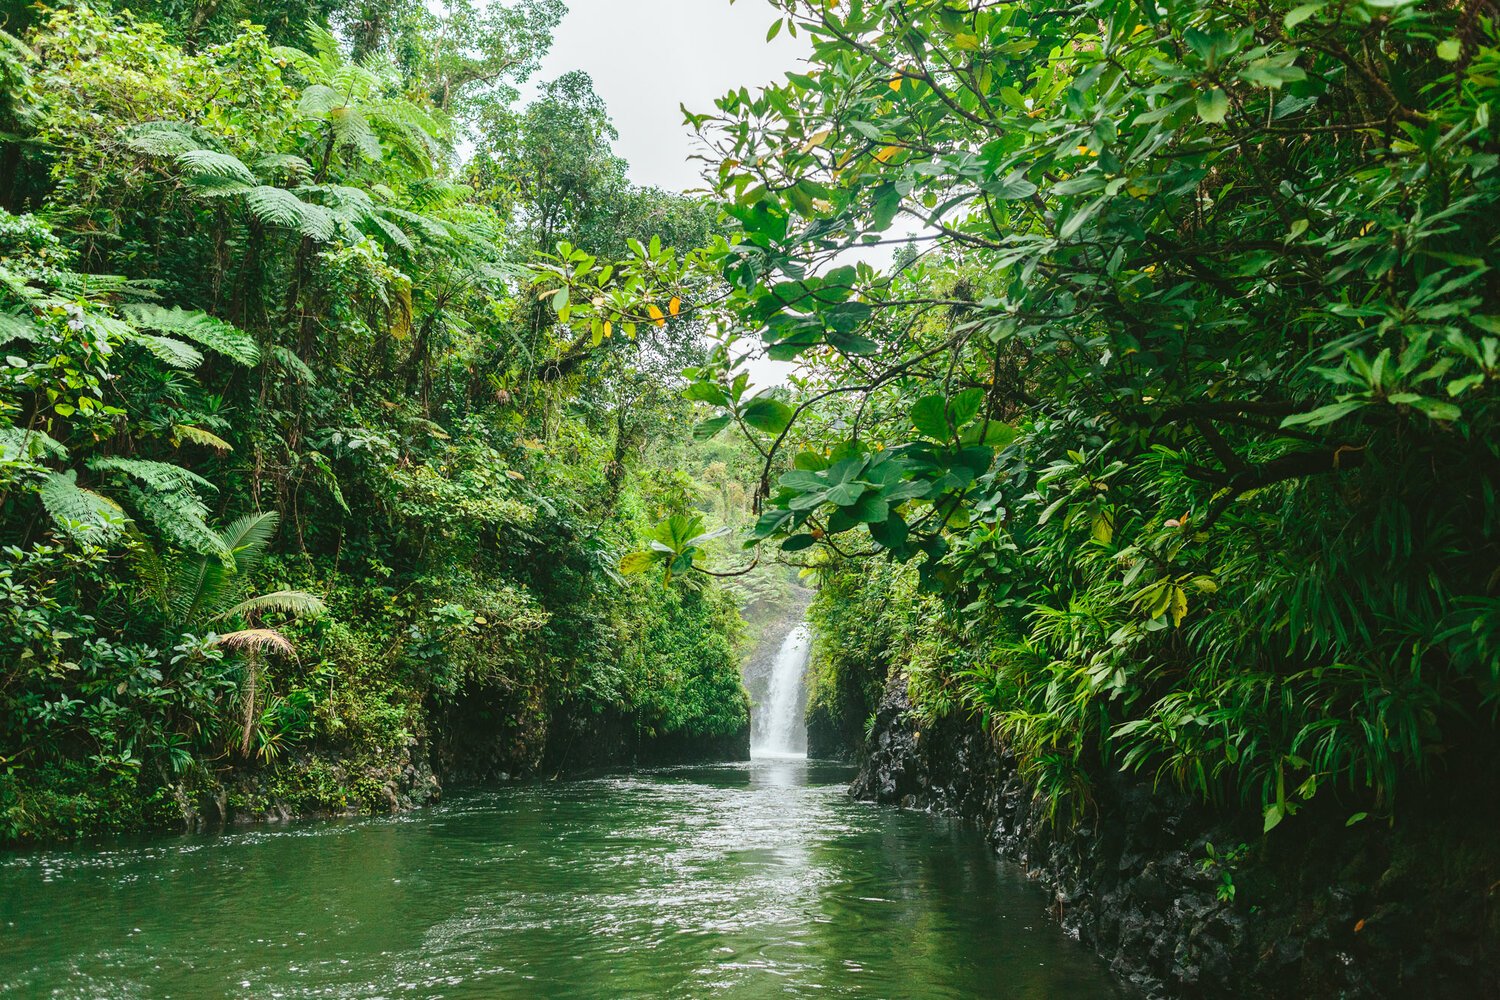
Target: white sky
(647, 57)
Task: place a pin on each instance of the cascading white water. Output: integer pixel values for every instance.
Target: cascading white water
(781, 728)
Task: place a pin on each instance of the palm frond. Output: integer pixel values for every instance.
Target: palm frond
(297, 603)
(248, 538)
(256, 640)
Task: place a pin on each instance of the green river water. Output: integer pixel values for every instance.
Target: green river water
(745, 880)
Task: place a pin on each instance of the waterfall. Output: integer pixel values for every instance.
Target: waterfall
(779, 727)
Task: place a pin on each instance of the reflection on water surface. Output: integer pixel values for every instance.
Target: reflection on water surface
(744, 880)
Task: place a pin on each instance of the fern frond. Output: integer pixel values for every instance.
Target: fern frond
(79, 513)
(168, 138)
(285, 163)
(207, 186)
(95, 287)
(352, 128)
(173, 353)
(431, 228)
(213, 164)
(20, 444)
(197, 435)
(318, 100)
(303, 62)
(14, 327)
(160, 477)
(339, 196)
(279, 207)
(293, 365)
(179, 517)
(199, 327)
(297, 603)
(393, 232)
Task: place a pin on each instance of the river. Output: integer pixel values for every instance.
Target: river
(742, 880)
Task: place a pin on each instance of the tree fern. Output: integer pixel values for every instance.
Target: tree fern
(351, 128)
(166, 496)
(169, 138)
(201, 328)
(287, 164)
(279, 207)
(318, 100)
(179, 517)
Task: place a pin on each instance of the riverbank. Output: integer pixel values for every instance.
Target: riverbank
(1185, 901)
(320, 783)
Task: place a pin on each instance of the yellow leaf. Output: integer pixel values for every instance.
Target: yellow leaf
(609, 329)
(1179, 605)
(896, 83)
(657, 316)
(888, 154)
(675, 306)
(816, 139)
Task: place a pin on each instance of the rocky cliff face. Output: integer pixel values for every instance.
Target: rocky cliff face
(1317, 910)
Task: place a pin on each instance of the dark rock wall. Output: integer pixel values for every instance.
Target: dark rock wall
(1319, 910)
(486, 738)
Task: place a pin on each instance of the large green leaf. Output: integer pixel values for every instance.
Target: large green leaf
(767, 414)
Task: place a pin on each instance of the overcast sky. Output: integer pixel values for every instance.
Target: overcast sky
(647, 57)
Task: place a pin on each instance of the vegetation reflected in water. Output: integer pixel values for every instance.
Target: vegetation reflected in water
(738, 880)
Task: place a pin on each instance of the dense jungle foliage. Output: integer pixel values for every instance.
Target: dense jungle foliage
(1180, 398)
(294, 463)
(1167, 443)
